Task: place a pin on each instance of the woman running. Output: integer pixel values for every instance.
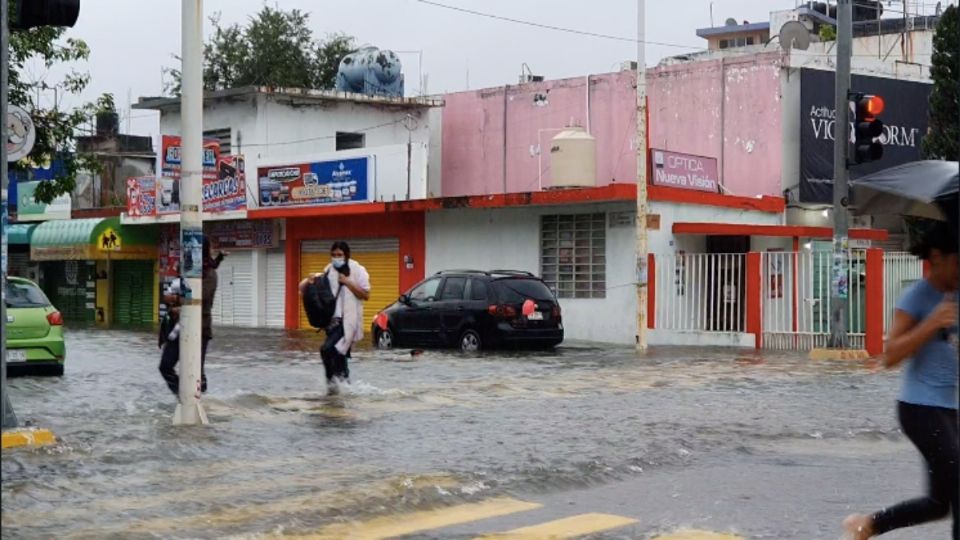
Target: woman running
(924, 338)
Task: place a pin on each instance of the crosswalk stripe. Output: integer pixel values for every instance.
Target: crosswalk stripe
(571, 527)
(697, 535)
(416, 522)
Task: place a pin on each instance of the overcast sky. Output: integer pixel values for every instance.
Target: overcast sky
(131, 40)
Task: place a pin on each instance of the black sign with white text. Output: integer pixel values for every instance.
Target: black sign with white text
(904, 118)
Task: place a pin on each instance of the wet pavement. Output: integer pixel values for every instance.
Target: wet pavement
(764, 446)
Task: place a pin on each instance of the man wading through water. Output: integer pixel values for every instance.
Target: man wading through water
(350, 285)
(170, 327)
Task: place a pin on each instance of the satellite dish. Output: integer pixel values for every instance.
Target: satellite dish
(732, 22)
(794, 35)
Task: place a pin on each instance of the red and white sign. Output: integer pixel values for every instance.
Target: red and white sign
(685, 171)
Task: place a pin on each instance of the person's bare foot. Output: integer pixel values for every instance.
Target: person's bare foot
(858, 527)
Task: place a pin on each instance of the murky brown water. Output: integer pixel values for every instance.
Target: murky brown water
(441, 429)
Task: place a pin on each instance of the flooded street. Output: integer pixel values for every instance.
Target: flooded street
(668, 439)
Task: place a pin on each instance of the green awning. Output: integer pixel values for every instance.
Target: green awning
(19, 233)
(87, 239)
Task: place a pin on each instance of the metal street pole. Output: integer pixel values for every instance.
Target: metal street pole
(841, 149)
(8, 417)
(189, 410)
(642, 278)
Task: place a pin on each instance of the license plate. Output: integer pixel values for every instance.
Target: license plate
(16, 355)
(535, 316)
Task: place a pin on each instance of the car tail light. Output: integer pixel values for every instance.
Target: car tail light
(55, 318)
(381, 321)
(502, 311)
(556, 311)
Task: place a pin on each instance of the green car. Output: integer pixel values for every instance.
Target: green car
(34, 329)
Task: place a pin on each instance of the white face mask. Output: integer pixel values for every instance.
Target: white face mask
(338, 262)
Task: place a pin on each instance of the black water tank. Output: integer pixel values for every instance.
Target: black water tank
(108, 123)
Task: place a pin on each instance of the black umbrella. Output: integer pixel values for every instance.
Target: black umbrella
(925, 189)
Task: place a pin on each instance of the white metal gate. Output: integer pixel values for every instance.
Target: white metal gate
(899, 270)
(275, 288)
(796, 302)
(701, 292)
(233, 304)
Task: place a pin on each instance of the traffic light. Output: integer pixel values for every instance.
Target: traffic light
(867, 128)
(36, 13)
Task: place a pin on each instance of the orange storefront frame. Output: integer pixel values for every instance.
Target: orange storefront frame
(408, 227)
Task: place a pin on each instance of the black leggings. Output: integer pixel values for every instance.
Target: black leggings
(933, 430)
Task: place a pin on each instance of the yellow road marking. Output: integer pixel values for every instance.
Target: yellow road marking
(315, 501)
(698, 535)
(404, 524)
(27, 437)
(570, 527)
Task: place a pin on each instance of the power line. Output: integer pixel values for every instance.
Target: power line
(323, 138)
(555, 28)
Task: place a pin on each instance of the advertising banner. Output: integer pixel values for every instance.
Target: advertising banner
(905, 125)
(685, 171)
(228, 191)
(236, 235)
(323, 182)
(141, 196)
(28, 209)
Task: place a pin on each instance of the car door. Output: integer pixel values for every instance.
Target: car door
(418, 323)
(451, 308)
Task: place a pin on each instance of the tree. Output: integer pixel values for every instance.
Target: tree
(56, 128)
(943, 137)
(276, 48)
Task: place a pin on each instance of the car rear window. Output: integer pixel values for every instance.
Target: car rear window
(516, 290)
(25, 295)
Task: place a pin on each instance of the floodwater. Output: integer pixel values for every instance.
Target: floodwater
(412, 433)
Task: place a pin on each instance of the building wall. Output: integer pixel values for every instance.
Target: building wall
(493, 139)
(486, 239)
(726, 109)
(267, 130)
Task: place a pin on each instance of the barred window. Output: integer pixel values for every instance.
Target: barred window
(573, 255)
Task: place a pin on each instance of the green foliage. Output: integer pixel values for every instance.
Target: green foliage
(56, 128)
(943, 138)
(275, 48)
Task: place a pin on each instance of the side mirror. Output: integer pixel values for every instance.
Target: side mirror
(404, 299)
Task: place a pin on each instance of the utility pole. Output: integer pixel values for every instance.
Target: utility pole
(841, 148)
(189, 410)
(8, 416)
(642, 278)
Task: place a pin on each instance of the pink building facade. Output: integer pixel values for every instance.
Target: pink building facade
(497, 140)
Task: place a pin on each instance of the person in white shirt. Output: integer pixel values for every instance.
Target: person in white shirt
(350, 285)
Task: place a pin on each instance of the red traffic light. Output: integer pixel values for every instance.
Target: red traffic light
(869, 106)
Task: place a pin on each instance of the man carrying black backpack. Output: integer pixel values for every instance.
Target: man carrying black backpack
(336, 295)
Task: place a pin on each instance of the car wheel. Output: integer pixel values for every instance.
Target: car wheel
(470, 341)
(385, 339)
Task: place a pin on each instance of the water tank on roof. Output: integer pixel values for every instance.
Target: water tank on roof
(573, 159)
(371, 71)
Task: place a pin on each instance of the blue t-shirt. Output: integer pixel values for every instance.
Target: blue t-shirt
(930, 377)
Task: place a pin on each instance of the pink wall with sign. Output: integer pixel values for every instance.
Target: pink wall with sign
(481, 156)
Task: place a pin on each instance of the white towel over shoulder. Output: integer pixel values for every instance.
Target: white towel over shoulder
(349, 307)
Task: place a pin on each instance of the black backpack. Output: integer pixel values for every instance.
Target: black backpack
(319, 303)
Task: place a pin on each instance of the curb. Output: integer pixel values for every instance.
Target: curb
(839, 354)
(27, 437)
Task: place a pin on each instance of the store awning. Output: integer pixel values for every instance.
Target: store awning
(91, 239)
(18, 234)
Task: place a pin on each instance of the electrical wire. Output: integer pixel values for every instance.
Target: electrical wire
(555, 28)
(323, 138)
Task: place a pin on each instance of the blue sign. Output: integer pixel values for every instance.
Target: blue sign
(322, 182)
